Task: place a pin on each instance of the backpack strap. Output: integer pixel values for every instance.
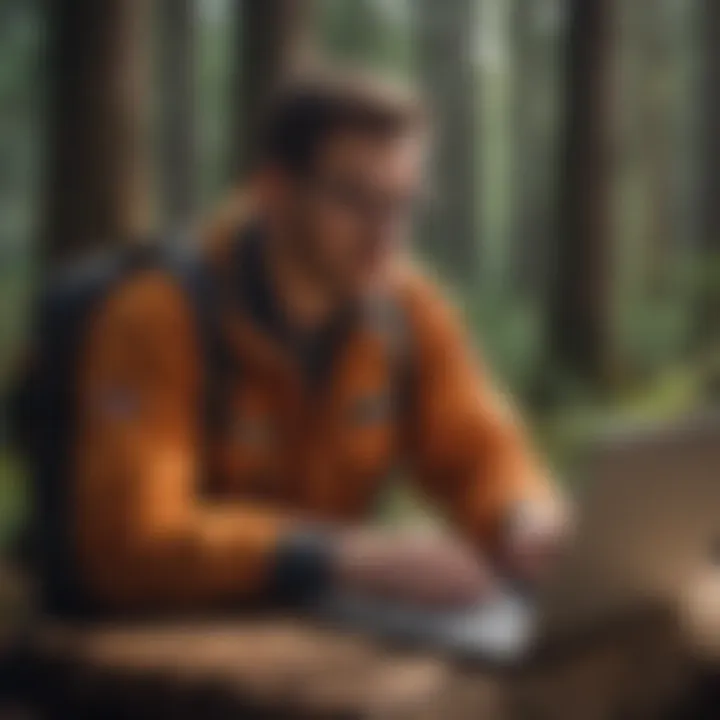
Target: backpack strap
(387, 315)
(195, 276)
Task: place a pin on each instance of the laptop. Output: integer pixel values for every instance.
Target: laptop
(648, 523)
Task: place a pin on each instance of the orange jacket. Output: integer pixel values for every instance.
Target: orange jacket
(146, 535)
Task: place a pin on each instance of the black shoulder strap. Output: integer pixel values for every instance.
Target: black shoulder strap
(195, 276)
(389, 317)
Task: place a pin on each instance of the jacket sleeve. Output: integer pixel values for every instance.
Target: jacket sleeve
(144, 536)
(466, 446)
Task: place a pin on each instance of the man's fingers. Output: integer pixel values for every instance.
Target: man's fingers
(429, 569)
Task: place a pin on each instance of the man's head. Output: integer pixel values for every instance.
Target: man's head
(341, 167)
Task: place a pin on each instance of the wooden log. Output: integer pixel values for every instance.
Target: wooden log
(284, 668)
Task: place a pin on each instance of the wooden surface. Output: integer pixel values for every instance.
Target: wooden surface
(283, 668)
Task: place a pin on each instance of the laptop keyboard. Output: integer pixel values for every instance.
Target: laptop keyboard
(499, 629)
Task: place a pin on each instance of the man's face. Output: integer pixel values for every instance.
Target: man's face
(353, 211)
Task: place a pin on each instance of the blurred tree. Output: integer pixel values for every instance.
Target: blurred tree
(709, 311)
(354, 30)
(527, 244)
(650, 149)
(177, 136)
(580, 339)
(370, 33)
(532, 27)
(659, 148)
(446, 65)
(272, 39)
(21, 106)
(96, 182)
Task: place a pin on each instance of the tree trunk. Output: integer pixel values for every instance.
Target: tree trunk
(355, 31)
(96, 185)
(653, 99)
(533, 143)
(272, 38)
(177, 132)
(709, 311)
(580, 303)
(445, 41)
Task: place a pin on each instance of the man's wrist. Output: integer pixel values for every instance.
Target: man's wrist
(303, 566)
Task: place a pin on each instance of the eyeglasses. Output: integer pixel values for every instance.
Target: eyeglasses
(366, 203)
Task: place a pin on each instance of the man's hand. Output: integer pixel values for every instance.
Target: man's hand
(534, 537)
(417, 567)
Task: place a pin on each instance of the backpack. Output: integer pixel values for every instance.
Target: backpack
(42, 407)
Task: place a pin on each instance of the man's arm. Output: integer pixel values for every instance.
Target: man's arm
(466, 446)
(144, 536)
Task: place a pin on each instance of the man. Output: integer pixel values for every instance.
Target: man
(316, 294)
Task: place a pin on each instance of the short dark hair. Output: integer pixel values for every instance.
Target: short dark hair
(306, 111)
